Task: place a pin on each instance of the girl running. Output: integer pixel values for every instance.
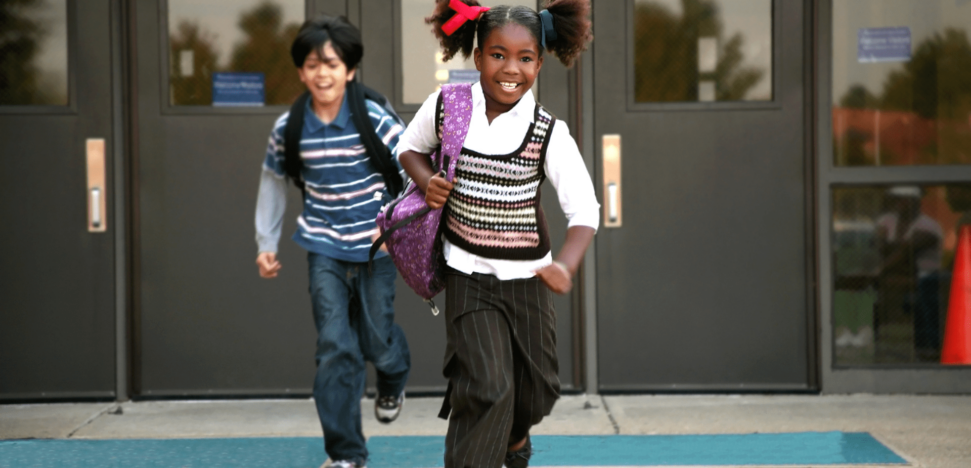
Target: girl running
(501, 336)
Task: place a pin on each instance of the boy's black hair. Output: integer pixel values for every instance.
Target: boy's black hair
(343, 36)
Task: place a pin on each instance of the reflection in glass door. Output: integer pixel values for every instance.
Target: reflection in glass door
(702, 50)
(34, 70)
(217, 43)
(901, 82)
(901, 96)
(893, 249)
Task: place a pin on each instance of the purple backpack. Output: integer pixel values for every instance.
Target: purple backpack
(409, 227)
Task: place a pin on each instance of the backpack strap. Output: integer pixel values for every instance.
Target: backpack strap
(459, 118)
(439, 116)
(456, 109)
(292, 133)
(376, 149)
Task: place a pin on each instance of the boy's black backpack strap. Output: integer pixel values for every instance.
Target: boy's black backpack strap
(292, 133)
(376, 149)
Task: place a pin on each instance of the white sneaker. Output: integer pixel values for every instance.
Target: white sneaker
(345, 464)
(844, 338)
(387, 408)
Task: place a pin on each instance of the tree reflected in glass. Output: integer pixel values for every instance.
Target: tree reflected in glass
(915, 112)
(685, 56)
(263, 45)
(193, 61)
(33, 52)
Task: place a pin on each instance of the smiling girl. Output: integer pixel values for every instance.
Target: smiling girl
(501, 343)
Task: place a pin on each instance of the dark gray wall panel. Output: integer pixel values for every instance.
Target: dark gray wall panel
(205, 322)
(208, 321)
(705, 285)
(57, 320)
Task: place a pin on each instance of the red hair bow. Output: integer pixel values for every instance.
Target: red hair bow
(463, 13)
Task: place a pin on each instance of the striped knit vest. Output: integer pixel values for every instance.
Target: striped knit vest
(494, 209)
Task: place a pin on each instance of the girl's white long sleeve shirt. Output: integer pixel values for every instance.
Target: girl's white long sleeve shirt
(564, 168)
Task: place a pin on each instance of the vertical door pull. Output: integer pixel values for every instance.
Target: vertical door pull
(612, 202)
(611, 181)
(96, 207)
(95, 154)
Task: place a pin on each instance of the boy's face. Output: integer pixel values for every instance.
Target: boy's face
(508, 63)
(325, 77)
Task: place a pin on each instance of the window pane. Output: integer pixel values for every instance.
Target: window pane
(893, 250)
(33, 68)
(901, 82)
(239, 47)
(702, 50)
(424, 72)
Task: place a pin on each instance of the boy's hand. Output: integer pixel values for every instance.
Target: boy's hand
(437, 191)
(269, 266)
(556, 277)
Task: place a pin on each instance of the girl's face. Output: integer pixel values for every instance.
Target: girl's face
(508, 63)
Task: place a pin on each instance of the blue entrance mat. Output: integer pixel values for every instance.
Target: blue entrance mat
(282, 452)
(803, 448)
(806, 448)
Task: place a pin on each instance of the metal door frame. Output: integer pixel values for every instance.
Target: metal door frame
(123, 138)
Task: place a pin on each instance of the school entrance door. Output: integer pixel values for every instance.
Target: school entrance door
(703, 256)
(57, 294)
(204, 323)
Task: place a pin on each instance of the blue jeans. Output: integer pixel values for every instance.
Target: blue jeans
(354, 314)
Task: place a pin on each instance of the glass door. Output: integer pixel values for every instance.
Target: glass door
(703, 257)
(895, 161)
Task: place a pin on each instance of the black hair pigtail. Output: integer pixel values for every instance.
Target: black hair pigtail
(571, 21)
(462, 40)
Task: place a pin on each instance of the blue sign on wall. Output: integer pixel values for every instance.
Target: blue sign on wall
(883, 45)
(237, 89)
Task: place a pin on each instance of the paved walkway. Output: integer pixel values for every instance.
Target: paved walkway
(928, 431)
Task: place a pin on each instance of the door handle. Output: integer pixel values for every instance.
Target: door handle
(613, 215)
(97, 204)
(96, 207)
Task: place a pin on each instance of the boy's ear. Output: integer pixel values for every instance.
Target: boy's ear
(350, 75)
(477, 56)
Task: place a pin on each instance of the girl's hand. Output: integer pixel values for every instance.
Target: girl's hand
(556, 277)
(437, 191)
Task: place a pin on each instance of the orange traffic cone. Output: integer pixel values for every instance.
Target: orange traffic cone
(957, 331)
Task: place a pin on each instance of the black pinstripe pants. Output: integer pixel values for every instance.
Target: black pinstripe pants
(500, 362)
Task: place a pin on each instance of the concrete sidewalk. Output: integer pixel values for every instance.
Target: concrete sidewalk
(930, 431)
